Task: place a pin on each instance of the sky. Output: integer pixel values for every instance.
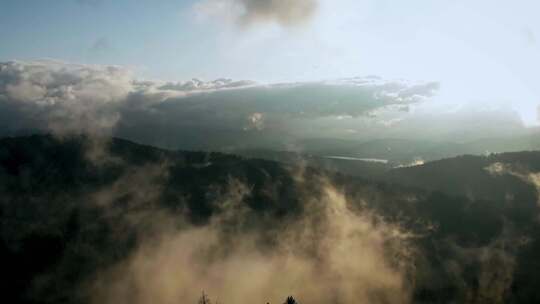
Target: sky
(482, 52)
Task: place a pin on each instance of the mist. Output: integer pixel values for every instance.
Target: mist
(262, 151)
(237, 257)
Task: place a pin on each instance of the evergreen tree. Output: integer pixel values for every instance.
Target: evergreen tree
(204, 299)
(290, 300)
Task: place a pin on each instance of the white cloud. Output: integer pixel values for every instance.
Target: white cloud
(25, 91)
(73, 98)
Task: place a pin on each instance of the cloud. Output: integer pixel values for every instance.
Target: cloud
(63, 98)
(70, 98)
(286, 13)
(199, 85)
(25, 90)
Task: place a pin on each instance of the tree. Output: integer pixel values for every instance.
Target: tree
(290, 300)
(204, 299)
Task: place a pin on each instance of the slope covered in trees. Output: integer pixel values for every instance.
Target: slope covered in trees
(72, 209)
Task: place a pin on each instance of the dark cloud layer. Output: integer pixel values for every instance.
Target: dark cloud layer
(68, 98)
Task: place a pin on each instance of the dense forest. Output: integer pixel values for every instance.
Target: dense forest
(73, 211)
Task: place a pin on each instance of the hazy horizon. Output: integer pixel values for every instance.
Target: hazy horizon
(270, 151)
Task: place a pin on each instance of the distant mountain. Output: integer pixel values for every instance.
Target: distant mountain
(350, 166)
(72, 208)
(406, 150)
(472, 176)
